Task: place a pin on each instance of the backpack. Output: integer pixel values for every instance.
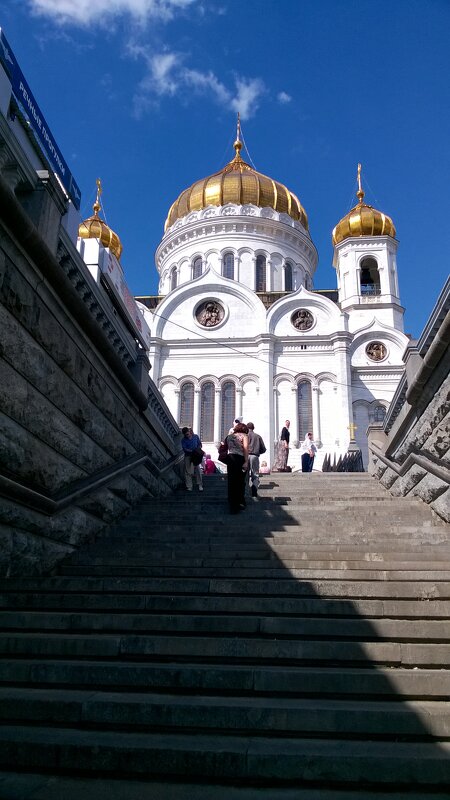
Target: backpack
(262, 446)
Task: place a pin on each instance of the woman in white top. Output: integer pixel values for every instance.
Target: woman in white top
(309, 450)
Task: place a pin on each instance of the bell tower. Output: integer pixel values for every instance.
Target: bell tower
(365, 258)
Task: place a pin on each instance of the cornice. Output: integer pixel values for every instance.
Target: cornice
(216, 221)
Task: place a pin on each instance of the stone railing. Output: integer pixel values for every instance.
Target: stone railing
(410, 452)
(84, 433)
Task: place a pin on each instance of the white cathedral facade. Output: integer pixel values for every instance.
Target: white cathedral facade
(237, 329)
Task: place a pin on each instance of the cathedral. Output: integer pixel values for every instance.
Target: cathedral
(237, 329)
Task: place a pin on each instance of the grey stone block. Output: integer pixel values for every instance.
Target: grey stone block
(442, 505)
(438, 444)
(22, 552)
(378, 468)
(22, 453)
(388, 478)
(411, 479)
(430, 488)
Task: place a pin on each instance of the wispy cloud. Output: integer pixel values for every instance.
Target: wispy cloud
(284, 98)
(249, 91)
(167, 75)
(167, 72)
(83, 12)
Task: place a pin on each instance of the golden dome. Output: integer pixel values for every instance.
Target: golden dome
(96, 228)
(237, 183)
(363, 220)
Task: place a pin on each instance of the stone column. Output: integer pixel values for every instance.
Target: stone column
(344, 410)
(239, 392)
(217, 396)
(196, 420)
(267, 402)
(293, 418)
(316, 414)
(269, 280)
(178, 404)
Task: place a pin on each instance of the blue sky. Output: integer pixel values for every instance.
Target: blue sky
(144, 94)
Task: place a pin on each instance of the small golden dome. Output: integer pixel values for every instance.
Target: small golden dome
(237, 183)
(96, 228)
(363, 220)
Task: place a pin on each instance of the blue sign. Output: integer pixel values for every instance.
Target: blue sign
(25, 98)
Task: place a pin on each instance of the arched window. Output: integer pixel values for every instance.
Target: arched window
(228, 406)
(260, 282)
(207, 412)
(197, 267)
(288, 277)
(379, 414)
(304, 409)
(228, 266)
(173, 279)
(369, 277)
(187, 404)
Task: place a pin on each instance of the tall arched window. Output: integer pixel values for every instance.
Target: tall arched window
(379, 414)
(207, 412)
(197, 267)
(260, 278)
(228, 266)
(369, 277)
(304, 409)
(173, 279)
(288, 277)
(228, 408)
(187, 404)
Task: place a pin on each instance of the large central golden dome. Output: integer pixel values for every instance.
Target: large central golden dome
(237, 183)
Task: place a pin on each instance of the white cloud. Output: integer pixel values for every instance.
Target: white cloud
(246, 101)
(162, 75)
(207, 82)
(284, 97)
(83, 12)
(167, 75)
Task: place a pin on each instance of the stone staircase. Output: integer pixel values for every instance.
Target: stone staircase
(299, 650)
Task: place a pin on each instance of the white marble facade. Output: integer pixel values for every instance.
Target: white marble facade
(346, 356)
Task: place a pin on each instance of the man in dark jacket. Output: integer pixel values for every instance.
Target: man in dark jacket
(256, 447)
(191, 442)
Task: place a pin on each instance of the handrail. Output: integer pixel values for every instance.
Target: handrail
(413, 458)
(50, 504)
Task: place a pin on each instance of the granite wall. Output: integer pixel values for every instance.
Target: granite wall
(410, 452)
(76, 402)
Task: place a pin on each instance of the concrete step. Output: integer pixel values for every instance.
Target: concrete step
(280, 571)
(280, 552)
(346, 588)
(244, 759)
(419, 719)
(239, 604)
(270, 563)
(400, 537)
(35, 786)
(235, 680)
(427, 630)
(228, 648)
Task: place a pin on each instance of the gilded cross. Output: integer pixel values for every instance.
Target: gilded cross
(352, 428)
(97, 205)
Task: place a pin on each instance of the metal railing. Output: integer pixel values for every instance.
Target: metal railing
(350, 462)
